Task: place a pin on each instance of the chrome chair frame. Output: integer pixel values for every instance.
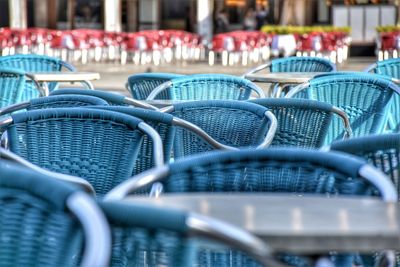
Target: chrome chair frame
(194, 128)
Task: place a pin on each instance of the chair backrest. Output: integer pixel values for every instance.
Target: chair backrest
(390, 68)
(37, 227)
(112, 99)
(301, 64)
(235, 124)
(266, 170)
(301, 122)
(208, 87)
(36, 63)
(382, 151)
(13, 89)
(161, 122)
(160, 236)
(99, 146)
(141, 85)
(56, 101)
(364, 97)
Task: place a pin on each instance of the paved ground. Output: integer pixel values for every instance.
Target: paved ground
(114, 76)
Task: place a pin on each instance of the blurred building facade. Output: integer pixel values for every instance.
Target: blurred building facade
(191, 15)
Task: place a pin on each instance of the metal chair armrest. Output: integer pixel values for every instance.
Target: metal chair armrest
(269, 137)
(297, 89)
(380, 181)
(138, 103)
(43, 91)
(137, 182)
(200, 132)
(67, 66)
(5, 154)
(257, 69)
(159, 89)
(231, 236)
(346, 122)
(158, 150)
(259, 91)
(370, 67)
(15, 107)
(97, 232)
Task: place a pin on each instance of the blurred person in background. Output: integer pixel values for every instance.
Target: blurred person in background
(249, 20)
(222, 21)
(261, 16)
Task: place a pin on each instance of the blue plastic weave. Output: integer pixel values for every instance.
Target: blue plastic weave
(12, 84)
(391, 68)
(64, 101)
(365, 98)
(301, 122)
(141, 85)
(302, 64)
(211, 86)
(234, 123)
(111, 98)
(35, 63)
(154, 236)
(99, 146)
(161, 122)
(36, 229)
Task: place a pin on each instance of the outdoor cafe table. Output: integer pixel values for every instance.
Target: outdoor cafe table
(303, 225)
(43, 78)
(282, 79)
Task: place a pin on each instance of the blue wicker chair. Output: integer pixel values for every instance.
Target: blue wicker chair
(207, 87)
(146, 235)
(235, 124)
(390, 68)
(141, 85)
(287, 170)
(111, 98)
(382, 151)
(294, 64)
(35, 63)
(13, 90)
(302, 122)
(37, 228)
(166, 125)
(364, 97)
(57, 101)
(99, 146)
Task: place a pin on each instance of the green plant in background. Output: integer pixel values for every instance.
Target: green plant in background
(277, 29)
(388, 28)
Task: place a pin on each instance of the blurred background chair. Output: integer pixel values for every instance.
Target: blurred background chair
(141, 85)
(36, 63)
(208, 87)
(390, 68)
(36, 223)
(235, 124)
(302, 122)
(13, 89)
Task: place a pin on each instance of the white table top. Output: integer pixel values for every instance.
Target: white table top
(306, 224)
(282, 77)
(64, 76)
